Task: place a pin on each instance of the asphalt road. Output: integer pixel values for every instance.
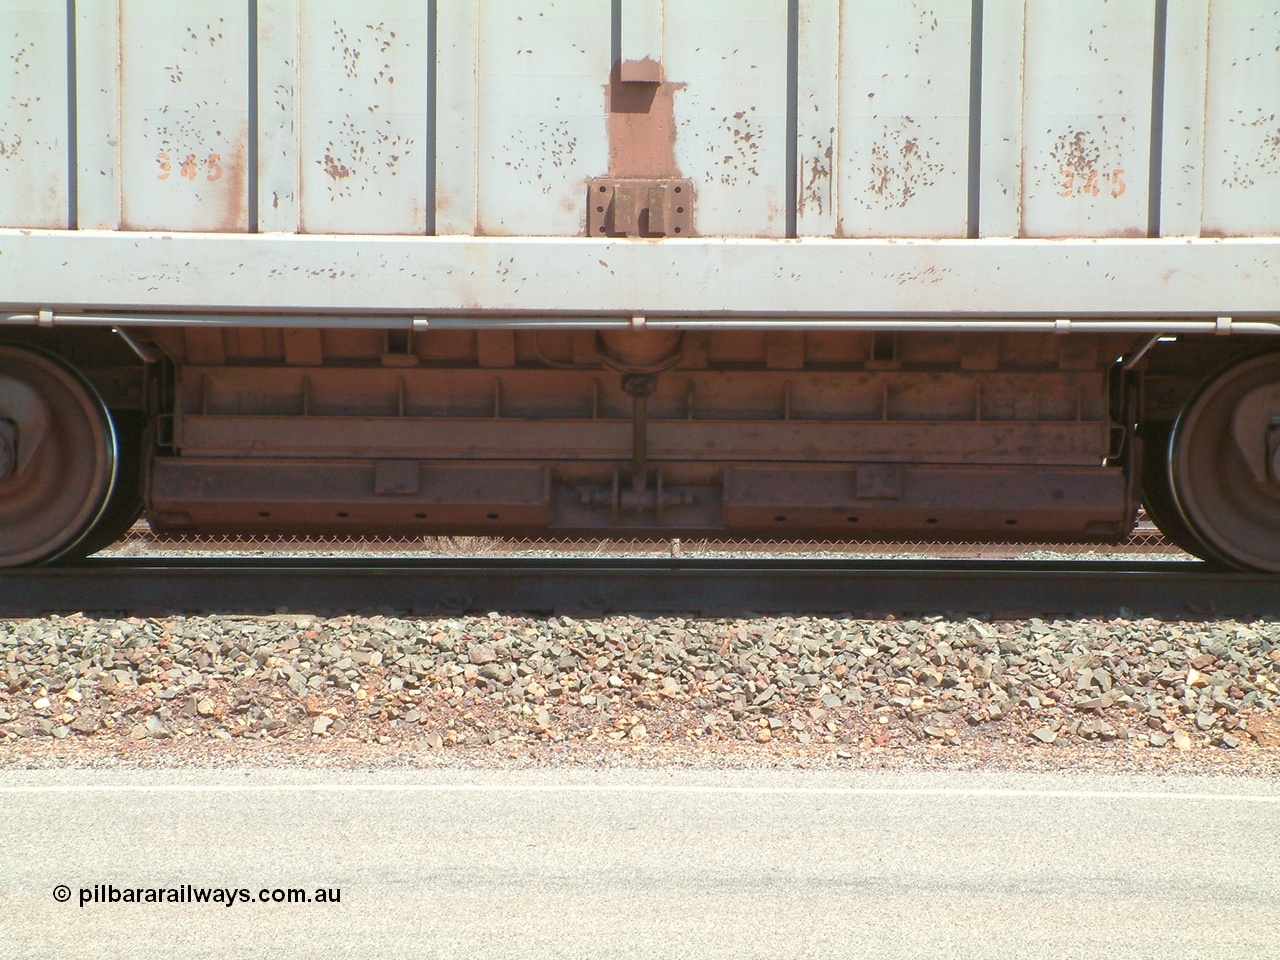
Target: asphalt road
(641, 864)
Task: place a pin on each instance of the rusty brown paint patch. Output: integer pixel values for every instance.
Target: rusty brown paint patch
(815, 188)
(236, 209)
(641, 126)
(335, 170)
(365, 145)
(211, 33)
(1076, 151)
(1125, 233)
(745, 140)
(928, 275)
(901, 165)
(1264, 158)
(11, 140)
(554, 143)
(1082, 165)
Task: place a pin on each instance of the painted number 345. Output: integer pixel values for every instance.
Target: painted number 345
(1090, 185)
(188, 166)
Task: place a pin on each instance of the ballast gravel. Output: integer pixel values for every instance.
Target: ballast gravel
(807, 687)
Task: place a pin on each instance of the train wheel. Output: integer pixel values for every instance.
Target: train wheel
(57, 457)
(1157, 494)
(125, 505)
(1224, 464)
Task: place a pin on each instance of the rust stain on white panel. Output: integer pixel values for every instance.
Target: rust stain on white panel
(731, 116)
(33, 114)
(363, 95)
(278, 128)
(815, 192)
(1087, 117)
(904, 118)
(904, 164)
(642, 126)
(185, 107)
(541, 126)
(1241, 175)
(817, 112)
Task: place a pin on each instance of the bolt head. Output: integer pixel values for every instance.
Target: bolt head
(639, 385)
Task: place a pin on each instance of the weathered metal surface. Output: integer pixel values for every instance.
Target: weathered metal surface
(731, 55)
(1083, 503)
(540, 76)
(639, 208)
(332, 496)
(817, 116)
(280, 162)
(903, 122)
(741, 433)
(560, 360)
(493, 118)
(800, 282)
(1241, 168)
(184, 116)
(709, 440)
(641, 122)
(363, 140)
(33, 122)
(1086, 118)
(1051, 416)
(325, 496)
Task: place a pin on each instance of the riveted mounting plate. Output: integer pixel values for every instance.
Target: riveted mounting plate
(640, 208)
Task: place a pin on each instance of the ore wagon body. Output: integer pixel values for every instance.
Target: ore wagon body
(764, 268)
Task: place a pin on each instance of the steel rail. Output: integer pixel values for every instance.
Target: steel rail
(594, 586)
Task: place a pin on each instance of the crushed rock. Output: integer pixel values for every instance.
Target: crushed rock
(794, 688)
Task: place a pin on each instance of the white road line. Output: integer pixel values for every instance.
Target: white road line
(948, 792)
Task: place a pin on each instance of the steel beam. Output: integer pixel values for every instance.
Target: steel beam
(478, 281)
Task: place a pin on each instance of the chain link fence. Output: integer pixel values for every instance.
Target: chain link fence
(1145, 542)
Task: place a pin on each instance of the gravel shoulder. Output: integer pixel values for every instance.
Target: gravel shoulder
(631, 692)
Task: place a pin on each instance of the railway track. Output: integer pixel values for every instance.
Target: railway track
(593, 586)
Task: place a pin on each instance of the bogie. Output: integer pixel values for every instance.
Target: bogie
(1224, 464)
(58, 457)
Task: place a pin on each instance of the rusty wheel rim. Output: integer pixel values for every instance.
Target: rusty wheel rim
(1230, 509)
(58, 458)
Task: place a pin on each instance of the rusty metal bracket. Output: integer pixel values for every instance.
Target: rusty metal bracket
(640, 386)
(640, 208)
(621, 500)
